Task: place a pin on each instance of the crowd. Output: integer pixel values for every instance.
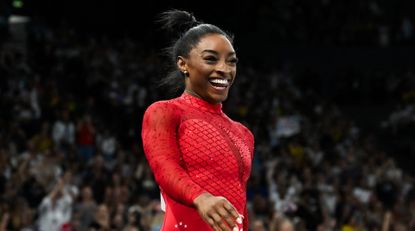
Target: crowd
(71, 108)
(403, 114)
(337, 23)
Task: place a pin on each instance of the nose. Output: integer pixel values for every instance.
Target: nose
(223, 68)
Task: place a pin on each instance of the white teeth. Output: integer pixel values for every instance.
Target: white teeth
(220, 81)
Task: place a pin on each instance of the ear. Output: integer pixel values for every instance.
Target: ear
(182, 64)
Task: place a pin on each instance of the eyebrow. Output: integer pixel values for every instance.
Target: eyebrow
(217, 53)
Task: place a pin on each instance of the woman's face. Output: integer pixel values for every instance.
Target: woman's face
(212, 68)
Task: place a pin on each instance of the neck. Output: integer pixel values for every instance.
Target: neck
(191, 92)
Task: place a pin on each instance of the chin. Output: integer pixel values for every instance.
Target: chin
(216, 98)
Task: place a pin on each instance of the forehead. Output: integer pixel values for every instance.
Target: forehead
(216, 42)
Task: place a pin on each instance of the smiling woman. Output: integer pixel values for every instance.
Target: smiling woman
(211, 68)
(201, 158)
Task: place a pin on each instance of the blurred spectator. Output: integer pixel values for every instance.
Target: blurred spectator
(101, 220)
(107, 144)
(55, 211)
(280, 223)
(85, 138)
(74, 101)
(84, 210)
(133, 220)
(41, 141)
(63, 131)
(258, 225)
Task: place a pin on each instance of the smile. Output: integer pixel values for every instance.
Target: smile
(220, 84)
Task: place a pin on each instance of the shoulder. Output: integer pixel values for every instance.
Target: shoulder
(164, 111)
(245, 130)
(241, 127)
(164, 107)
(247, 136)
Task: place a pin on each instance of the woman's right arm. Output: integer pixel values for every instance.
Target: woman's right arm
(159, 134)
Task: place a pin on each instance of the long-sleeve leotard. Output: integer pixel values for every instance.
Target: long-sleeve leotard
(193, 147)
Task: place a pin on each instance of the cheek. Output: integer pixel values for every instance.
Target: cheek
(205, 70)
(201, 74)
(234, 71)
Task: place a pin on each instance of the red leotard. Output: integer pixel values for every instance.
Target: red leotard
(193, 147)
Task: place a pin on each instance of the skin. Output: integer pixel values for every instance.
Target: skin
(213, 57)
(287, 226)
(102, 216)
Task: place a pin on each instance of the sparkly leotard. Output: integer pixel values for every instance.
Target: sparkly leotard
(193, 147)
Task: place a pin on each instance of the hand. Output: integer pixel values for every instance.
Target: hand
(218, 212)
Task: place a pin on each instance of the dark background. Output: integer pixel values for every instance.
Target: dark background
(333, 46)
(357, 56)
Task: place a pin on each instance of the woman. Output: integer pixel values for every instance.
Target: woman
(201, 159)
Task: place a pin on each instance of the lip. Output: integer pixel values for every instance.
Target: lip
(220, 89)
(229, 80)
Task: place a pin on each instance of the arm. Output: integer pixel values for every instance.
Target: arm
(386, 221)
(53, 195)
(159, 134)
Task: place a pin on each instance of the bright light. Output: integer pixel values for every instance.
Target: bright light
(16, 19)
(18, 3)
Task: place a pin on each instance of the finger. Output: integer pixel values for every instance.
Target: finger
(212, 223)
(229, 207)
(230, 220)
(220, 222)
(217, 228)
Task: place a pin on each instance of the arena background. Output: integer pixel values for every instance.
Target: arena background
(327, 87)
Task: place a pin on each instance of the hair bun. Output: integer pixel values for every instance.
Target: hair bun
(177, 21)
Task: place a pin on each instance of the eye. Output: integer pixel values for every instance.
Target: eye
(210, 59)
(233, 60)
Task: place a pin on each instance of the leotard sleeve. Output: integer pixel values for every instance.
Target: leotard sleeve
(159, 135)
